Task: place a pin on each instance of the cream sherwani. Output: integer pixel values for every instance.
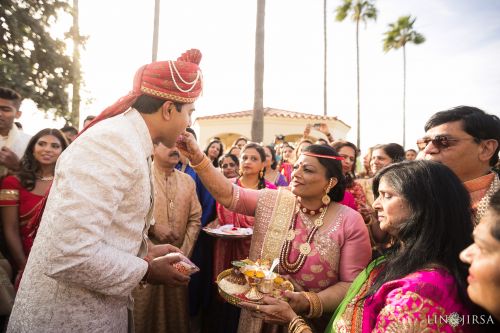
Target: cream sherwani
(85, 261)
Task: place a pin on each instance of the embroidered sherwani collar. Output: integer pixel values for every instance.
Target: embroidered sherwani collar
(139, 124)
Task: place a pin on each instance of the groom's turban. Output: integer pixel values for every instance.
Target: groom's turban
(177, 81)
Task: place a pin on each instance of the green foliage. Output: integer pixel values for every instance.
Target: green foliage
(31, 61)
(360, 10)
(400, 33)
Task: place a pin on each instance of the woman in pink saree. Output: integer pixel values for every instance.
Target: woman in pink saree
(419, 285)
(321, 244)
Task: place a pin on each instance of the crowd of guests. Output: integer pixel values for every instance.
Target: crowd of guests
(399, 243)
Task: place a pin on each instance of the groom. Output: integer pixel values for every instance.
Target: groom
(91, 249)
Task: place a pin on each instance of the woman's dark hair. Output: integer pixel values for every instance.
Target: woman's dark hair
(149, 104)
(438, 227)
(231, 156)
(221, 151)
(241, 138)
(262, 154)
(333, 169)
(274, 163)
(495, 207)
(395, 151)
(230, 151)
(337, 145)
(29, 166)
(301, 142)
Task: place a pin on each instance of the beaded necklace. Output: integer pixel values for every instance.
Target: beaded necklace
(482, 206)
(304, 248)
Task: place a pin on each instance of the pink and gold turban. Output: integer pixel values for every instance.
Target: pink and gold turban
(177, 81)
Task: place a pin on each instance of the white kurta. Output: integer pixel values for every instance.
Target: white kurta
(85, 259)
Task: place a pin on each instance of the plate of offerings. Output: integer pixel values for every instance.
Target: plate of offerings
(249, 281)
(229, 231)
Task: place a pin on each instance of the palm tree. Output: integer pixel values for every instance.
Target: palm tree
(360, 10)
(396, 37)
(77, 40)
(156, 25)
(258, 103)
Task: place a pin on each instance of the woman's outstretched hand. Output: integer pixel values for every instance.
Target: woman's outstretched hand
(189, 147)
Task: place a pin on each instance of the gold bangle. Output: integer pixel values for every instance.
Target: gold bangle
(315, 305)
(205, 162)
(302, 328)
(295, 323)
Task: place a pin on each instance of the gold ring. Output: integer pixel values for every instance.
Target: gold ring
(257, 308)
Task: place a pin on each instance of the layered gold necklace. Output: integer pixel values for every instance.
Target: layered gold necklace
(304, 248)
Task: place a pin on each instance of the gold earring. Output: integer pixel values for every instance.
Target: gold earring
(240, 171)
(261, 173)
(326, 199)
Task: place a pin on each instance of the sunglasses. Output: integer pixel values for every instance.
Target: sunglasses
(226, 165)
(439, 141)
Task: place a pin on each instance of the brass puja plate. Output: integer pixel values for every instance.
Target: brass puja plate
(235, 290)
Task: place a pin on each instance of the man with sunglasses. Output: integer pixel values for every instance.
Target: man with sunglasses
(466, 139)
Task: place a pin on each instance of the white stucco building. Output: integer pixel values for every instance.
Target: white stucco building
(229, 126)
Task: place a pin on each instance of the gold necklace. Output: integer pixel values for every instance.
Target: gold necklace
(255, 186)
(304, 248)
(171, 188)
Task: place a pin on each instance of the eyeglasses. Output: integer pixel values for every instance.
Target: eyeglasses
(440, 141)
(228, 165)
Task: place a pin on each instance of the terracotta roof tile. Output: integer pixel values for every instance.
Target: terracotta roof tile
(270, 112)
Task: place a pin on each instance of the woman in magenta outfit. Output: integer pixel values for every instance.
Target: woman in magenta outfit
(419, 285)
(21, 195)
(321, 244)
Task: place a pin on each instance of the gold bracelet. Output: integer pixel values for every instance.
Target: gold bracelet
(315, 305)
(294, 323)
(302, 328)
(205, 162)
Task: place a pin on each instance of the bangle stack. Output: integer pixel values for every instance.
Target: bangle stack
(315, 305)
(298, 325)
(204, 163)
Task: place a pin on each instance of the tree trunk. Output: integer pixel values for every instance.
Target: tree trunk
(155, 30)
(404, 96)
(325, 30)
(358, 114)
(75, 102)
(258, 103)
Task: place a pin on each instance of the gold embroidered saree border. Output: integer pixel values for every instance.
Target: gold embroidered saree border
(276, 232)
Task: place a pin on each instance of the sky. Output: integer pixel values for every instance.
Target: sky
(457, 65)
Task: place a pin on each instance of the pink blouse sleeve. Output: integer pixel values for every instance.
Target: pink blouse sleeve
(355, 252)
(244, 200)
